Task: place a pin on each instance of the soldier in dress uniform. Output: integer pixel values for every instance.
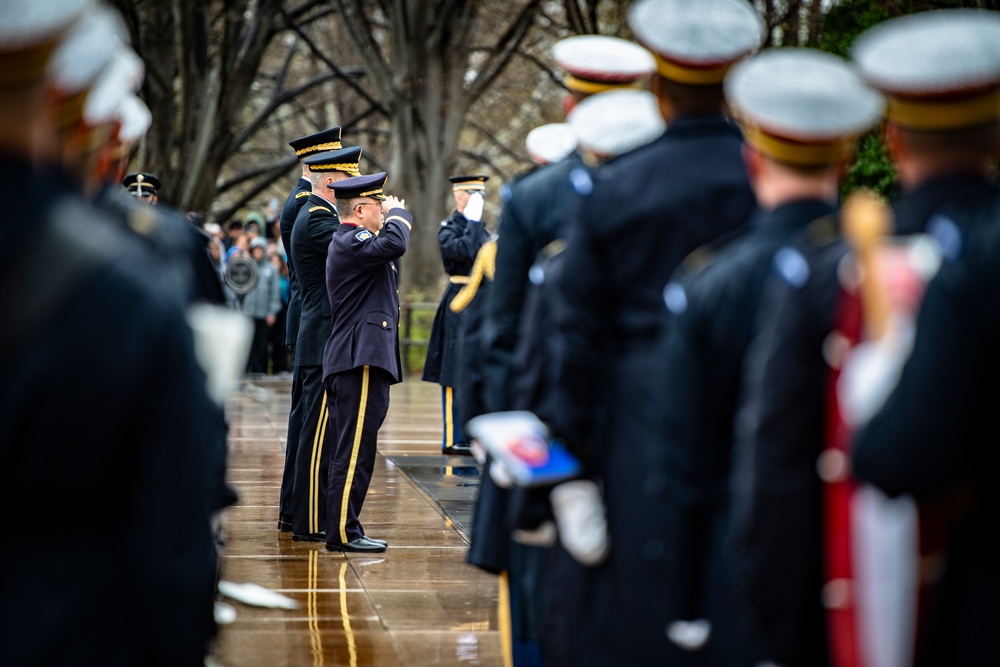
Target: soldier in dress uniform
(311, 235)
(119, 465)
(304, 147)
(459, 239)
(638, 217)
(91, 101)
(933, 436)
(534, 212)
(795, 159)
(361, 358)
(535, 207)
(941, 83)
(143, 186)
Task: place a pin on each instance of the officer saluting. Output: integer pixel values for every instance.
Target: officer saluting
(459, 240)
(311, 235)
(361, 358)
(304, 147)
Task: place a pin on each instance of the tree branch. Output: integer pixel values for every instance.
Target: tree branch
(509, 44)
(272, 106)
(281, 166)
(333, 66)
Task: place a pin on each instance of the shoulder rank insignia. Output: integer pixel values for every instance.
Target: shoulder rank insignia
(792, 266)
(363, 235)
(303, 194)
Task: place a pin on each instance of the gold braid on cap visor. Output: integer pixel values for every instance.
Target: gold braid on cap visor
(940, 114)
(798, 153)
(691, 74)
(588, 87)
(347, 168)
(318, 148)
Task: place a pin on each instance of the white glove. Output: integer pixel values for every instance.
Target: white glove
(500, 475)
(689, 635)
(543, 536)
(870, 372)
(474, 208)
(579, 512)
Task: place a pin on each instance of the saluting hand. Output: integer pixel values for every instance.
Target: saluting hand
(391, 203)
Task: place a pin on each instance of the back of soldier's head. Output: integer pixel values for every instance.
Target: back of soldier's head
(30, 30)
(940, 71)
(695, 44)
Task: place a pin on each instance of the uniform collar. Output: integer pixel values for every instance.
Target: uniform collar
(916, 207)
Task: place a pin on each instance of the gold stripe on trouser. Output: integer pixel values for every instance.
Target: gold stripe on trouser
(312, 609)
(352, 648)
(503, 619)
(314, 465)
(449, 425)
(354, 456)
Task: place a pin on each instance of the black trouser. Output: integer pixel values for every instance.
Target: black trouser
(286, 504)
(312, 458)
(360, 400)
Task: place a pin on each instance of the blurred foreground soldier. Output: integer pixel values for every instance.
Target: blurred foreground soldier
(122, 466)
(535, 212)
(795, 159)
(536, 206)
(550, 143)
(934, 436)
(606, 125)
(941, 132)
(76, 66)
(361, 359)
(638, 217)
(304, 147)
(312, 232)
(459, 240)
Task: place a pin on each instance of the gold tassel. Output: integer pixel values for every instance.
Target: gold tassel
(485, 265)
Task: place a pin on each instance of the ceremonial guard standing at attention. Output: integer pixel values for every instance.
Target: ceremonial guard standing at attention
(638, 217)
(941, 81)
(304, 147)
(459, 240)
(105, 420)
(361, 359)
(311, 235)
(932, 434)
(536, 212)
(795, 160)
(537, 206)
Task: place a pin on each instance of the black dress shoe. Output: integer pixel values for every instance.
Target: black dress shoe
(310, 537)
(458, 448)
(284, 524)
(376, 540)
(360, 545)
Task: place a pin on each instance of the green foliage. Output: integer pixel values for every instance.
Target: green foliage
(414, 334)
(872, 168)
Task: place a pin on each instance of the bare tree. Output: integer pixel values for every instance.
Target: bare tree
(428, 66)
(202, 59)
